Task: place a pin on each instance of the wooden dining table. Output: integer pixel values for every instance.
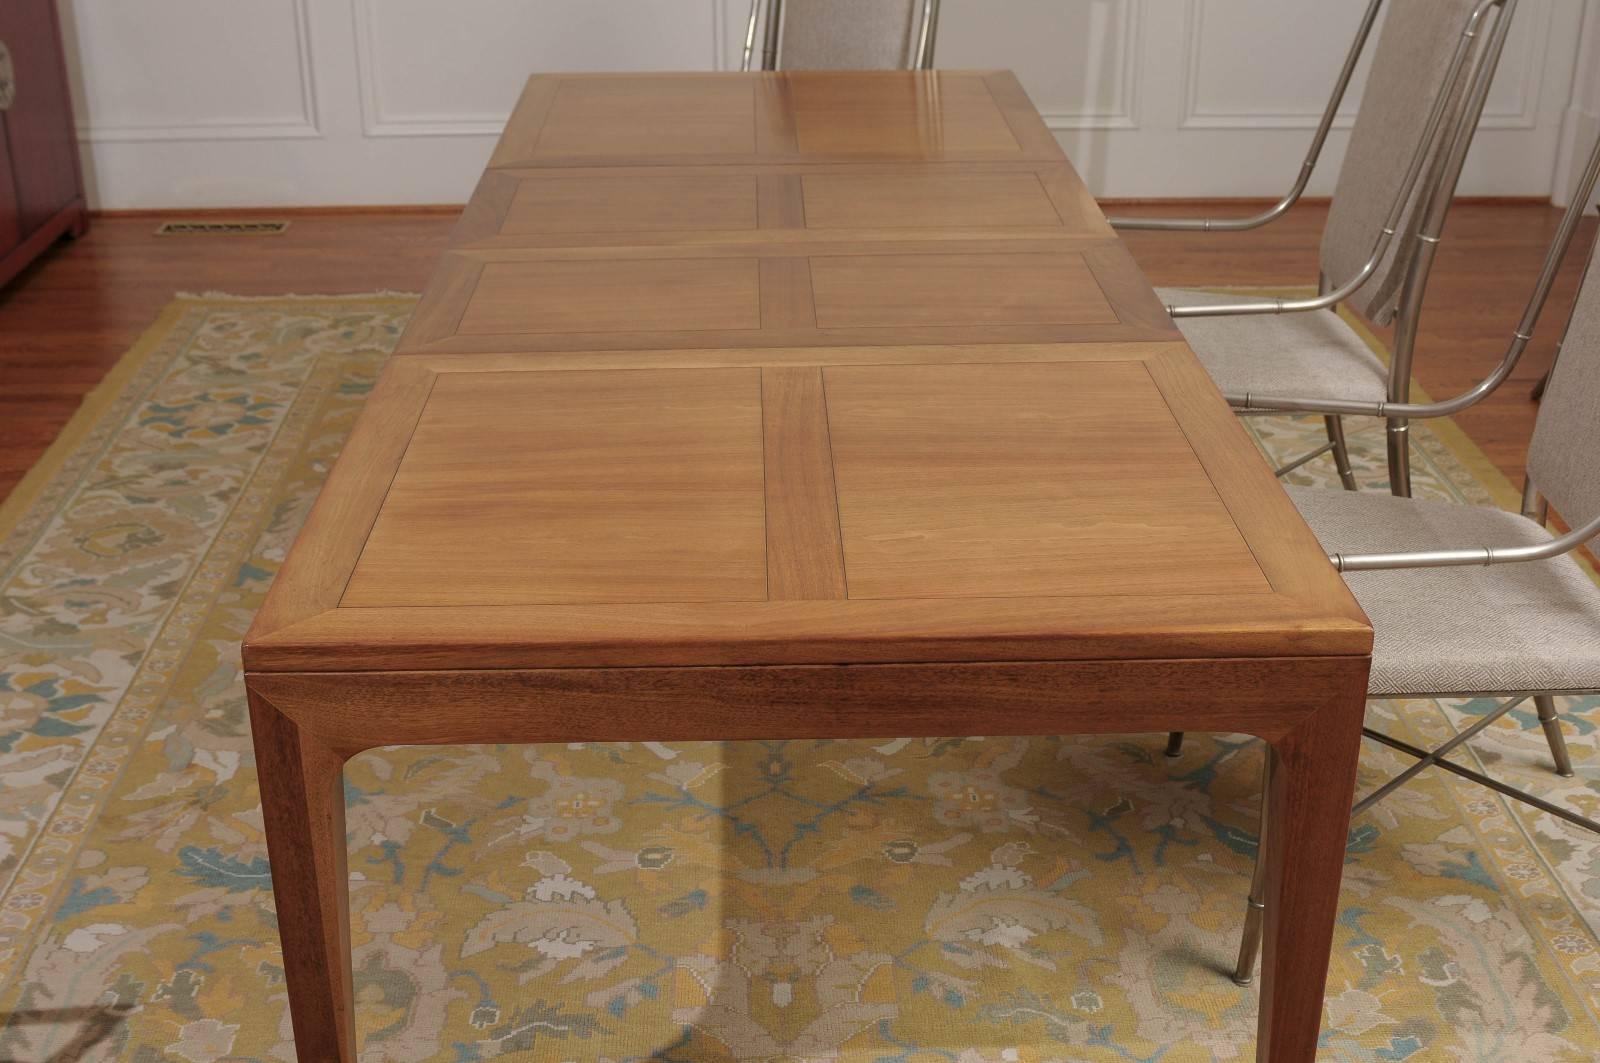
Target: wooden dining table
(796, 405)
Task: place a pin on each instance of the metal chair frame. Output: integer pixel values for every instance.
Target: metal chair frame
(772, 20)
(1536, 508)
(1433, 208)
(1318, 139)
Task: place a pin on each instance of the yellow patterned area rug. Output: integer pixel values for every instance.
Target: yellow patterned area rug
(901, 901)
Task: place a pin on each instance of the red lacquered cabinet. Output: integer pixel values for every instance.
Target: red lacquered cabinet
(41, 183)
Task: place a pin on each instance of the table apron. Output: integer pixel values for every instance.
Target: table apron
(1267, 697)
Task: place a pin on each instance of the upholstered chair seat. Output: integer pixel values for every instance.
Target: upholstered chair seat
(1311, 355)
(1476, 629)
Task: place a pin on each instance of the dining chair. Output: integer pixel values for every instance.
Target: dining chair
(843, 34)
(1431, 70)
(1512, 616)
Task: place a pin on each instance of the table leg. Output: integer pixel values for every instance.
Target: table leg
(302, 798)
(1308, 820)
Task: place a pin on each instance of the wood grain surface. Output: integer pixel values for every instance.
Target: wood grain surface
(953, 288)
(76, 312)
(923, 200)
(1042, 502)
(949, 518)
(613, 486)
(1273, 698)
(623, 205)
(1042, 480)
(639, 295)
(819, 116)
(805, 558)
(745, 291)
(631, 202)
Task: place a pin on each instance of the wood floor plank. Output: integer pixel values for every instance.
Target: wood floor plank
(68, 319)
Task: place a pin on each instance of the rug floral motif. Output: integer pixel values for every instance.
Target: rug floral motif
(906, 901)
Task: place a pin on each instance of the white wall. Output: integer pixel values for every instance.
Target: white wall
(1580, 124)
(287, 102)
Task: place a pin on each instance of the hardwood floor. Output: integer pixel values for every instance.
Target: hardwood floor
(66, 320)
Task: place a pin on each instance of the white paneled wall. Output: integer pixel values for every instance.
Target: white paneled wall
(290, 102)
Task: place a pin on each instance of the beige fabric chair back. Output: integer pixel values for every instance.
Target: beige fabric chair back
(849, 35)
(1410, 64)
(1564, 459)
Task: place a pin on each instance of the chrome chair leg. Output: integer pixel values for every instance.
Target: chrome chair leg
(1436, 758)
(1174, 743)
(1255, 913)
(1341, 452)
(1429, 756)
(750, 35)
(1546, 706)
(1399, 436)
(1305, 459)
(1481, 779)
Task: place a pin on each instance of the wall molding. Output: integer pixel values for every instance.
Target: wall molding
(304, 134)
(719, 29)
(374, 121)
(1130, 63)
(377, 123)
(304, 126)
(1526, 116)
(1580, 121)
